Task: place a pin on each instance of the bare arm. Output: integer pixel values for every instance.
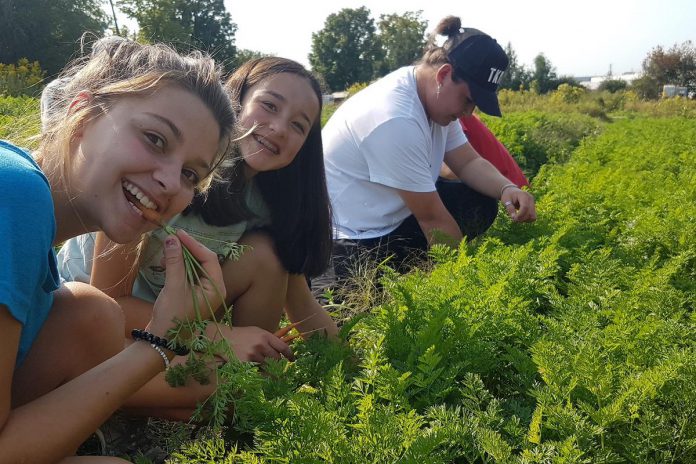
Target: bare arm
(483, 177)
(435, 221)
(113, 266)
(53, 425)
(302, 306)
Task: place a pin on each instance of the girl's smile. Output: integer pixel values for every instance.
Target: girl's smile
(283, 109)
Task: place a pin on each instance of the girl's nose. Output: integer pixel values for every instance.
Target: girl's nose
(168, 176)
(279, 126)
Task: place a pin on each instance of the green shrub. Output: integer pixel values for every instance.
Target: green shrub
(567, 93)
(19, 120)
(536, 138)
(23, 78)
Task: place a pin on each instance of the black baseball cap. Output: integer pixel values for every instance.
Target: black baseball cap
(480, 61)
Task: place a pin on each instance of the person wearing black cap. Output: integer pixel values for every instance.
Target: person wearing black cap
(384, 147)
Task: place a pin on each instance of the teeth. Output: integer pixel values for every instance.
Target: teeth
(266, 144)
(137, 193)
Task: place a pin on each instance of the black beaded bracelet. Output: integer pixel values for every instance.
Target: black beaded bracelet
(139, 334)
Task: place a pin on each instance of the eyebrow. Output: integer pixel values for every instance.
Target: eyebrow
(282, 98)
(171, 125)
(177, 133)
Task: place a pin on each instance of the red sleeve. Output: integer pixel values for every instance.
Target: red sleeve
(490, 148)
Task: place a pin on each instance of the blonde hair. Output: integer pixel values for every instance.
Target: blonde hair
(126, 68)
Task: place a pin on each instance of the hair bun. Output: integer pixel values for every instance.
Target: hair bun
(449, 26)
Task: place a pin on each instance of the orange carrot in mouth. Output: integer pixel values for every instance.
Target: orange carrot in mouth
(149, 214)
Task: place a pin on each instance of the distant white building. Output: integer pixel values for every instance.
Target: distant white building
(593, 82)
(670, 90)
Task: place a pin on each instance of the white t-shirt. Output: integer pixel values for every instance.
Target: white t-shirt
(377, 141)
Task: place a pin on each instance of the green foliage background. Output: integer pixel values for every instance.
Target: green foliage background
(570, 340)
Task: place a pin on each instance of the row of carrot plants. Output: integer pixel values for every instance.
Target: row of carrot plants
(568, 340)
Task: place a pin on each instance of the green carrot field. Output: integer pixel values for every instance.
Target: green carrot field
(569, 340)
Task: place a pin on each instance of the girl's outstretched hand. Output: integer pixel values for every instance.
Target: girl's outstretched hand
(250, 343)
(176, 300)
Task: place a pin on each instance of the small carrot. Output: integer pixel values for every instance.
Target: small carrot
(289, 338)
(152, 216)
(149, 214)
(282, 332)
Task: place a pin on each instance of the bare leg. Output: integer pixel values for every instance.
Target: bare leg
(256, 284)
(84, 328)
(158, 399)
(256, 288)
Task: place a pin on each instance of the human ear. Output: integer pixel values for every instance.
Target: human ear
(81, 100)
(442, 73)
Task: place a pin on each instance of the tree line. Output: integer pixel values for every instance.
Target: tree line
(352, 47)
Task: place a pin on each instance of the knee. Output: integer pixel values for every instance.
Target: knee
(262, 254)
(97, 320)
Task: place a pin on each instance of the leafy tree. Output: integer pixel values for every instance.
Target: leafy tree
(347, 50)
(516, 77)
(647, 87)
(612, 85)
(47, 31)
(676, 65)
(544, 75)
(402, 38)
(186, 25)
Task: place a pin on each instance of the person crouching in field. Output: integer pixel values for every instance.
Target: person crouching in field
(384, 148)
(140, 117)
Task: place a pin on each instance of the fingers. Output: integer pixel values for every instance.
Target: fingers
(281, 347)
(519, 205)
(209, 262)
(510, 208)
(271, 347)
(526, 213)
(255, 344)
(176, 274)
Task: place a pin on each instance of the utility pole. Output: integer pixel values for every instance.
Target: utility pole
(113, 12)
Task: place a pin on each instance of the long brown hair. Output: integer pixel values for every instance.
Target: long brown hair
(296, 195)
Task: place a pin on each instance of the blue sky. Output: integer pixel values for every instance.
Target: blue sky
(579, 38)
